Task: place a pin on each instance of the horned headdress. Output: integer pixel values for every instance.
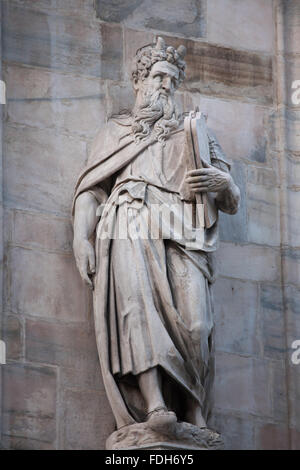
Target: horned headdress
(148, 55)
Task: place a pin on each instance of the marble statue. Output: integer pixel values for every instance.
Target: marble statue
(145, 229)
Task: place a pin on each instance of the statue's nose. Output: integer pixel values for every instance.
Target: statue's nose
(167, 84)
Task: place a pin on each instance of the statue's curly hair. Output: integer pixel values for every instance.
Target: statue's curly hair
(148, 55)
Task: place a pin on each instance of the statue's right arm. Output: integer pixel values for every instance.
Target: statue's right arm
(85, 221)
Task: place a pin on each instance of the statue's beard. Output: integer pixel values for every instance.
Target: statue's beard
(156, 114)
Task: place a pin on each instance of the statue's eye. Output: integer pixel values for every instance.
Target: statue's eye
(158, 77)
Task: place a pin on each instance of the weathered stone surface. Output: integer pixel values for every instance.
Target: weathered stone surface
(242, 384)
(280, 392)
(241, 24)
(57, 293)
(184, 435)
(293, 199)
(291, 17)
(38, 98)
(57, 344)
(29, 402)
(65, 43)
(221, 71)
(256, 259)
(294, 396)
(40, 168)
(120, 98)
(291, 74)
(295, 439)
(263, 215)
(12, 334)
(236, 330)
(271, 437)
(293, 170)
(132, 42)
(111, 52)
(85, 427)
(234, 228)
(87, 378)
(292, 299)
(21, 443)
(272, 321)
(291, 257)
(237, 431)
(183, 17)
(37, 230)
(292, 129)
(262, 176)
(239, 127)
(61, 7)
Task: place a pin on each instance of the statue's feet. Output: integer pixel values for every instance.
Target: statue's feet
(161, 420)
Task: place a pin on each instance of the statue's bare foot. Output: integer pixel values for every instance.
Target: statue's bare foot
(161, 420)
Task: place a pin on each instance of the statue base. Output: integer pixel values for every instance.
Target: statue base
(179, 436)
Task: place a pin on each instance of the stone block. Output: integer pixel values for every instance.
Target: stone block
(242, 384)
(239, 127)
(292, 73)
(263, 215)
(295, 439)
(293, 170)
(291, 258)
(60, 7)
(86, 420)
(271, 437)
(180, 17)
(87, 378)
(40, 168)
(65, 43)
(279, 392)
(120, 98)
(291, 18)
(294, 396)
(241, 24)
(236, 311)
(292, 299)
(71, 346)
(261, 176)
(226, 72)
(233, 228)
(272, 318)
(237, 431)
(42, 231)
(111, 52)
(253, 262)
(133, 40)
(46, 285)
(292, 130)
(293, 204)
(12, 334)
(38, 98)
(22, 443)
(29, 402)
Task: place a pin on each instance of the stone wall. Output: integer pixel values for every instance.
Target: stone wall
(1, 226)
(67, 67)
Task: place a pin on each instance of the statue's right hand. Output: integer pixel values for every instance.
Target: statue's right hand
(85, 259)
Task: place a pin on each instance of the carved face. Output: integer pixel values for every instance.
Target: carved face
(163, 77)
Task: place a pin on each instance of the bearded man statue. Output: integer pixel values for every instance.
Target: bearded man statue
(152, 293)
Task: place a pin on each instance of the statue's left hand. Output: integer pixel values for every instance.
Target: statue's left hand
(208, 179)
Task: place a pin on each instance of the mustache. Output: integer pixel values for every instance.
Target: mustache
(157, 113)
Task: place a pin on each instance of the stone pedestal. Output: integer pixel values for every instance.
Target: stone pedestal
(164, 445)
(180, 436)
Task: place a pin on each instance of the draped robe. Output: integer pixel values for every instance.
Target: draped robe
(152, 297)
